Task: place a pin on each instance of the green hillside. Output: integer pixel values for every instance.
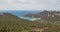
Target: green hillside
(12, 23)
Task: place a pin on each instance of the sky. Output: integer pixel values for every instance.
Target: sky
(29, 4)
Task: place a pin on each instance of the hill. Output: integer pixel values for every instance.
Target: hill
(12, 23)
(46, 15)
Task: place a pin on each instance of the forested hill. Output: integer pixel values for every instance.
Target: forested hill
(12, 23)
(9, 23)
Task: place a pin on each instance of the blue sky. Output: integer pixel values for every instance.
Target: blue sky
(29, 4)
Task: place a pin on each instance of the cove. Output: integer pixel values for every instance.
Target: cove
(27, 18)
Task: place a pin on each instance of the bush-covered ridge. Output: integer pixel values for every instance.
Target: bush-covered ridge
(46, 15)
(12, 23)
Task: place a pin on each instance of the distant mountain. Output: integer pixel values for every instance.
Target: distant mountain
(46, 15)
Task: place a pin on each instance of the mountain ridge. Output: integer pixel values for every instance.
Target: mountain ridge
(48, 15)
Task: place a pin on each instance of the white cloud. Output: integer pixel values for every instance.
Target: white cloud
(35, 1)
(29, 5)
(25, 1)
(53, 1)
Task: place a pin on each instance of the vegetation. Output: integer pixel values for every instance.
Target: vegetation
(12, 23)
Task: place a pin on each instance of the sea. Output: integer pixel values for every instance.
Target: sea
(20, 13)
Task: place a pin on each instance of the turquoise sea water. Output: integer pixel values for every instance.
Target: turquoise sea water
(31, 19)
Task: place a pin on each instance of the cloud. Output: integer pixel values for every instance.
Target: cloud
(29, 5)
(25, 1)
(35, 1)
